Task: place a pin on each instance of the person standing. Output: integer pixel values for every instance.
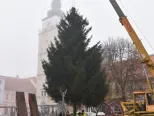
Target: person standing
(83, 113)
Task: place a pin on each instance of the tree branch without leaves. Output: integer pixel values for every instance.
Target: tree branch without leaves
(122, 63)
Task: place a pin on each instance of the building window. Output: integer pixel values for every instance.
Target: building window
(6, 110)
(12, 97)
(130, 88)
(7, 96)
(145, 87)
(43, 93)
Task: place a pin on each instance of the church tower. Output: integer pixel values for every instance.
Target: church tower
(46, 35)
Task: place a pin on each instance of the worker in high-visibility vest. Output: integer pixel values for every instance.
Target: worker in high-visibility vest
(79, 114)
(67, 114)
(83, 113)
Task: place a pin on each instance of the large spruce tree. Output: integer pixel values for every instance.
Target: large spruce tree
(74, 66)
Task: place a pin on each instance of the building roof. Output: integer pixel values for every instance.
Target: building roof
(19, 84)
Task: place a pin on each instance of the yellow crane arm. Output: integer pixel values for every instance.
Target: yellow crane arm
(145, 58)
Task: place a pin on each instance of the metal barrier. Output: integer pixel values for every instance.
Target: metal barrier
(48, 110)
(111, 109)
(44, 110)
(105, 107)
(116, 108)
(54, 110)
(8, 111)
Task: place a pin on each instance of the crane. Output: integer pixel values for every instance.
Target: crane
(145, 107)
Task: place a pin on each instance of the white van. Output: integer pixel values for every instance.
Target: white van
(100, 114)
(94, 114)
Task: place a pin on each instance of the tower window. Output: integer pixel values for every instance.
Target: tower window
(42, 93)
(48, 25)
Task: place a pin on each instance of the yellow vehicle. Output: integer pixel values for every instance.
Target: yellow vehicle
(143, 101)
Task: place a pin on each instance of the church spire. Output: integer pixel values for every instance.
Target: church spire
(56, 4)
(55, 8)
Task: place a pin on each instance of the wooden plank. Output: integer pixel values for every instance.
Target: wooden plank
(21, 104)
(33, 105)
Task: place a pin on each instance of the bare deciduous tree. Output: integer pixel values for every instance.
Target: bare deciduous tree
(123, 64)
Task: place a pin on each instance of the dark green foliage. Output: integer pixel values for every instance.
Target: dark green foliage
(74, 66)
(96, 88)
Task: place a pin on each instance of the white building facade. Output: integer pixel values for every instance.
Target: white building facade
(46, 36)
(8, 88)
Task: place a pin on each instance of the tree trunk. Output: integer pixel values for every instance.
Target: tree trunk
(123, 96)
(74, 109)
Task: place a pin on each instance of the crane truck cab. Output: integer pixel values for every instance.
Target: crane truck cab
(143, 101)
(141, 104)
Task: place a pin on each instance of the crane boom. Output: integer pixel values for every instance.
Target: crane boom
(145, 58)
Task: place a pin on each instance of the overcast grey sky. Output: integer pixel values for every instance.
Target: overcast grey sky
(21, 19)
